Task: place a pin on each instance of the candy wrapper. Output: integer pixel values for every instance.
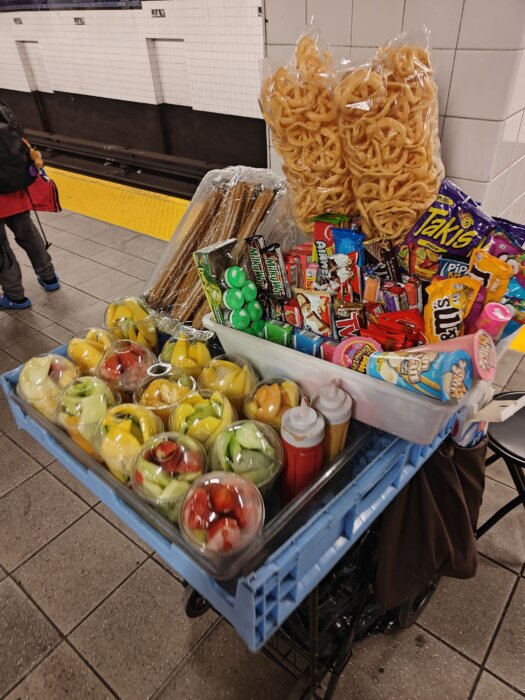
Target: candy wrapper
(493, 273)
(316, 310)
(348, 318)
(502, 247)
(449, 303)
(514, 231)
(381, 257)
(211, 263)
(454, 223)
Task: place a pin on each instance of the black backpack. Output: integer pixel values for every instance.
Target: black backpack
(14, 154)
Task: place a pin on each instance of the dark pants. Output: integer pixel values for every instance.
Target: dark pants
(28, 238)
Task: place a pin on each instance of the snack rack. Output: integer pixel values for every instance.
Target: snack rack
(285, 571)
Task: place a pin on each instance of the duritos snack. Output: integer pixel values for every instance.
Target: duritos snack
(493, 273)
(449, 303)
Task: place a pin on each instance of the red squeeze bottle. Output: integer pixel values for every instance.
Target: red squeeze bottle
(302, 435)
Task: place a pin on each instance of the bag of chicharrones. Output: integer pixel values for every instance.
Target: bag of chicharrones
(389, 132)
(297, 102)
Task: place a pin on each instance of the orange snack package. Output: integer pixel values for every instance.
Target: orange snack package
(493, 273)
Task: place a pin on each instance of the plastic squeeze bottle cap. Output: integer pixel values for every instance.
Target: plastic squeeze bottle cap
(334, 403)
(302, 426)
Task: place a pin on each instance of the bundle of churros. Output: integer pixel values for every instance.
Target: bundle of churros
(229, 203)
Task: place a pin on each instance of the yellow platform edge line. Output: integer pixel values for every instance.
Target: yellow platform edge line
(151, 213)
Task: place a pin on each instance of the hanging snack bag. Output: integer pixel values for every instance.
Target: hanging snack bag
(449, 303)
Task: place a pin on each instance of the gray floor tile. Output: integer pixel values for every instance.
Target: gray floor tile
(113, 236)
(138, 268)
(490, 688)
(65, 300)
(98, 559)
(406, 665)
(166, 566)
(81, 270)
(107, 513)
(93, 315)
(72, 482)
(505, 542)
(7, 362)
(506, 366)
(133, 290)
(2, 574)
(32, 318)
(13, 331)
(58, 333)
(27, 348)
(499, 472)
(32, 514)
(231, 668)
(144, 247)
(109, 285)
(506, 657)
(7, 420)
(455, 615)
(62, 676)
(148, 609)
(25, 635)
(113, 258)
(517, 381)
(33, 448)
(15, 465)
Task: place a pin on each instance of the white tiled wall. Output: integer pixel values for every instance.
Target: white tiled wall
(478, 54)
(215, 67)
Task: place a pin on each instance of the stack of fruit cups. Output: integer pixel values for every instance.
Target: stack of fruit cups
(188, 349)
(222, 514)
(202, 415)
(164, 469)
(87, 348)
(124, 366)
(120, 435)
(129, 316)
(232, 375)
(42, 379)
(271, 399)
(81, 406)
(163, 387)
(250, 449)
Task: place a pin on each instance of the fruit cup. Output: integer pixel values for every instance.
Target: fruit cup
(42, 380)
(163, 388)
(188, 349)
(131, 318)
(82, 404)
(252, 450)
(164, 469)
(221, 514)
(202, 416)
(232, 375)
(87, 348)
(120, 435)
(271, 399)
(124, 365)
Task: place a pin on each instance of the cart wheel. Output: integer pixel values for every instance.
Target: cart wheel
(412, 609)
(195, 605)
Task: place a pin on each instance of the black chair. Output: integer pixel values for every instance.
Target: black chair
(507, 441)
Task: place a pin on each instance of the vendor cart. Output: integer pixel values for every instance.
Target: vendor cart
(283, 594)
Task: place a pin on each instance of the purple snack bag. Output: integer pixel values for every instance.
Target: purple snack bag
(503, 248)
(475, 311)
(516, 232)
(453, 223)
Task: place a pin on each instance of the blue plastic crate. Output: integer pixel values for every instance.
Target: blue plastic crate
(259, 602)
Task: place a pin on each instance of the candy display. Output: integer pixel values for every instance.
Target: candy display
(164, 387)
(164, 469)
(271, 399)
(42, 380)
(187, 349)
(81, 406)
(250, 449)
(221, 514)
(124, 365)
(230, 374)
(202, 416)
(120, 435)
(128, 315)
(86, 350)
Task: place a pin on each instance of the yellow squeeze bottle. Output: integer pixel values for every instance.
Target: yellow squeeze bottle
(335, 405)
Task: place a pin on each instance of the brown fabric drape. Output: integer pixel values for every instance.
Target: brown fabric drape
(429, 528)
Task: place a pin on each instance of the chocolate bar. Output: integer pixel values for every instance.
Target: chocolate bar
(211, 263)
(307, 342)
(256, 245)
(275, 267)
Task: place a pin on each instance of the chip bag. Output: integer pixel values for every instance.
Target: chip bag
(449, 303)
(503, 248)
(493, 273)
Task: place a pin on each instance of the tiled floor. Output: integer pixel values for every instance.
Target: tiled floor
(88, 611)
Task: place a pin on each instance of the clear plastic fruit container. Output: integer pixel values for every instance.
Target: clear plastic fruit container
(252, 450)
(162, 389)
(120, 435)
(81, 406)
(124, 365)
(42, 379)
(202, 415)
(133, 320)
(222, 514)
(164, 470)
(86, 348)
(188, 349)
(271, 399)
(232, 375)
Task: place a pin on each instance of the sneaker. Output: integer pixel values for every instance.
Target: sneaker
(50, 286)
(7, 303)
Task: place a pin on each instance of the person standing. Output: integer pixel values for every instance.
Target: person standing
(22, 188)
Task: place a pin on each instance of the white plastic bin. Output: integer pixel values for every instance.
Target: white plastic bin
(384, 406)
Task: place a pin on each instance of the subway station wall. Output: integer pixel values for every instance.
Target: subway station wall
(176, 76)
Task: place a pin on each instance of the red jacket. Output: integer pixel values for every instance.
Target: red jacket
(41, 195)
